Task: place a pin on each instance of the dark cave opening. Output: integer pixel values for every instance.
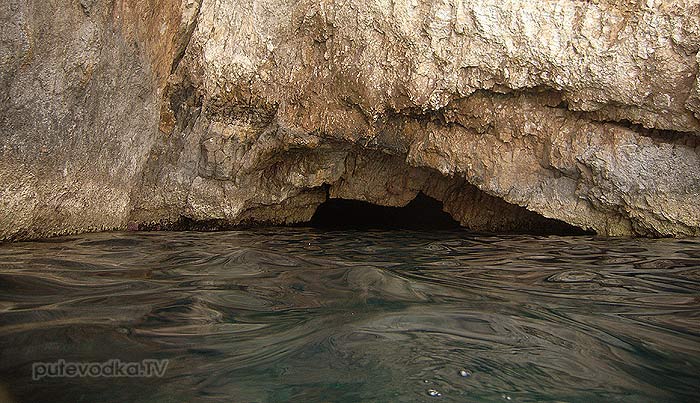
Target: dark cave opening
(422, 213)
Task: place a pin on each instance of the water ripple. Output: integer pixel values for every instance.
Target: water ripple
(274, 315)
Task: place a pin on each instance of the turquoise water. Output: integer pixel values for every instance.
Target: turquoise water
(304, 315)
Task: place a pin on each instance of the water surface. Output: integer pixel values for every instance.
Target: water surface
(303, 315)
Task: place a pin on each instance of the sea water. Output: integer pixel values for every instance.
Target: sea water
(305, 315)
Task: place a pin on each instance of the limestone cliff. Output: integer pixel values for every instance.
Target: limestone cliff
(162, 113)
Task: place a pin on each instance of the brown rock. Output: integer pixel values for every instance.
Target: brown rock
(238, 112)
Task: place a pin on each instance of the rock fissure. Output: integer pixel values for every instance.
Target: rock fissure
(190, 28)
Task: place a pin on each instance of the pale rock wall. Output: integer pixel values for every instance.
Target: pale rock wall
(507, 111)
(81, 84)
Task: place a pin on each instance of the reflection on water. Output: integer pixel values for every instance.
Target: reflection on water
(305, 315)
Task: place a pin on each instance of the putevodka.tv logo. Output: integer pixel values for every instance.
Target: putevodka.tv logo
(113, 368)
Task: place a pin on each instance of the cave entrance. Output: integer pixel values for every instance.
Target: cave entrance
(421, 213)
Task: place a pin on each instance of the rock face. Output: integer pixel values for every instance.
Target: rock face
(81, 83)
(512, 113)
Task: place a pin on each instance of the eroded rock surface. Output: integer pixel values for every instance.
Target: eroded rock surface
(236, 112)
(81, 84)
